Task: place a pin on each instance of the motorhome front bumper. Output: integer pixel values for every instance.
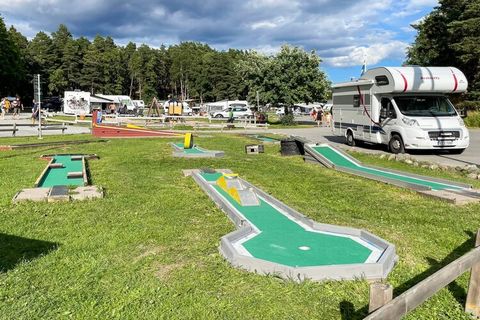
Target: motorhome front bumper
(457, 138)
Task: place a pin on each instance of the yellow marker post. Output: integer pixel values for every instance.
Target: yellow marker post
(188, 142)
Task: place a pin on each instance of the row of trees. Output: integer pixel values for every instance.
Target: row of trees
(187, 70)
(450, 36)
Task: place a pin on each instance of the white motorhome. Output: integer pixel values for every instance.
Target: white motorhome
(213, 107)
(124, 104)
(402, 107)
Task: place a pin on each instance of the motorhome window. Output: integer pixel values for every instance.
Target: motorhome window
(356, 101)
(381, 80)
(428, 106)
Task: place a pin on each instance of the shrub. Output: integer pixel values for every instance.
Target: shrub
(468, 105)
(473, 119)
(288, 120)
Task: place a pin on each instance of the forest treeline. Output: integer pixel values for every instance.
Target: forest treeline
(187, 70)
(450, 36)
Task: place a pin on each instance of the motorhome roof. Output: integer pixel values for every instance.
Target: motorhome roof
(412, 79)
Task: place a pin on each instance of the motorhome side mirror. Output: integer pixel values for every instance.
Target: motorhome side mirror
(391, 114)
(383, 113)
(463, 113)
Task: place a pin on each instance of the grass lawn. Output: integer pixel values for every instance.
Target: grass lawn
(149, 250)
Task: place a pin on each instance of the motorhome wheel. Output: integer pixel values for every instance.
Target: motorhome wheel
(396, 144)
(350, 139)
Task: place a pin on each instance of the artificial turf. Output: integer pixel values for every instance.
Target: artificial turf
(149, 249)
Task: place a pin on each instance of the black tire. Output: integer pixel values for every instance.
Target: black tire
(456, 151)
(349, 139)
(218, 116)
(395, 145)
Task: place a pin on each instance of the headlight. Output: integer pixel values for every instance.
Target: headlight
(461, 122)
(410, 122)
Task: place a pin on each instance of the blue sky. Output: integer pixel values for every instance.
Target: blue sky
(341, 31)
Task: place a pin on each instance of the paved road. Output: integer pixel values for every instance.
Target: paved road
(24, 131)
(324, 134)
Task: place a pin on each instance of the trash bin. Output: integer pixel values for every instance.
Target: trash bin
(289, 147)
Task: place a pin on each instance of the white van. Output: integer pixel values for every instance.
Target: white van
(402, 107)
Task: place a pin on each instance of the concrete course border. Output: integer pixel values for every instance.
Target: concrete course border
(371, 271)
(179, 152)
(459, 197)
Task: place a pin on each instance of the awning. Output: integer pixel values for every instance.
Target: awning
(96, 99)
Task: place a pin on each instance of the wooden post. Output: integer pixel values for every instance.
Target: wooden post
(472, 305)
(380, 294)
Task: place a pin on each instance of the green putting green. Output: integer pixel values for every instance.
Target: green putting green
(284, 241)
(340, 160)
(265, 139)
(59, 176)
(191, 150)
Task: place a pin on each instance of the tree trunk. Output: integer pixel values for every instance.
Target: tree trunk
(131, 85)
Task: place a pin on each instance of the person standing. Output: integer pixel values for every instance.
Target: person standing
(17, 104)
(230, 115)
(319, 117)
(34, 111)
(7, 105)
(2, 107)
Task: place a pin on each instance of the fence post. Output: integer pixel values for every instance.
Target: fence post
(472, 305)
(380, 294)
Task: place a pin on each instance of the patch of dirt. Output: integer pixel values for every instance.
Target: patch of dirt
(146, 251)
(163, 271)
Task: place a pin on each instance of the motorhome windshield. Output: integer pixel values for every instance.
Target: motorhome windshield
(419, 106)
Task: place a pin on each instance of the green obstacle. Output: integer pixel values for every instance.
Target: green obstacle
(284, 241)
(340, 160)
(194, 152)
(58, 176)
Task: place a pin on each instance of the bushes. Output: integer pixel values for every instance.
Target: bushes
(288, 120)
(468, 105)
(473, 119)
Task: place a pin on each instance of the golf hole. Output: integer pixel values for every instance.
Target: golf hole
(304, 248)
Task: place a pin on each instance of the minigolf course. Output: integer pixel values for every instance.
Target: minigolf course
(272, 238)
(64, 178)
(188, 149)
(334, 158)
(264, 139)
(129, 131)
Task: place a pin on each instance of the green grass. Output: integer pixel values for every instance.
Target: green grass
(473, 119)
(149, 250)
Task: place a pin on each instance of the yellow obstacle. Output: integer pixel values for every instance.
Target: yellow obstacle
(132, 126)
(222, 183)
(188, 142)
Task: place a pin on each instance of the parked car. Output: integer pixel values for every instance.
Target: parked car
(238, 112)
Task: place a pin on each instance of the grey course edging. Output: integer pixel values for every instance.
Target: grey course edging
(460, 197)
(371, 271)
(178, 152)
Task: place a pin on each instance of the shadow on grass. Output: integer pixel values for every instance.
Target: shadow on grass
(457, 291)
(14, 250)
(348, 312)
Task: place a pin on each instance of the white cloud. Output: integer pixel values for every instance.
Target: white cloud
(373, 54)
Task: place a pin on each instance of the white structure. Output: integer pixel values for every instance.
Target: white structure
(123, 103)
(82, 103)
(76, 102)
(218, 106)
(402, 107)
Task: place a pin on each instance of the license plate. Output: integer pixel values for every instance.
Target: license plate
(445, 143)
